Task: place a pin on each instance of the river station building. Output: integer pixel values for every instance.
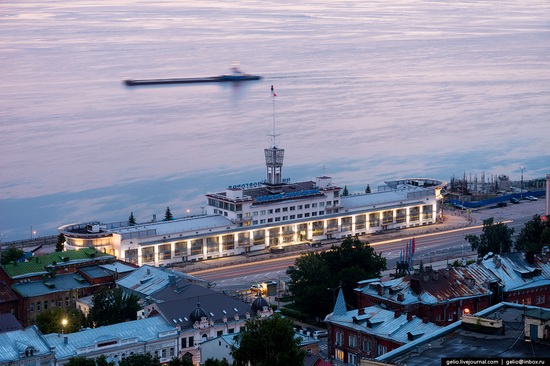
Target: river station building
(268, 215)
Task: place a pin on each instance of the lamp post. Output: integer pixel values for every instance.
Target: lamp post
(64, 322)
(522, 168)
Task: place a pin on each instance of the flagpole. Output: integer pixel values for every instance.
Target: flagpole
(273, 95)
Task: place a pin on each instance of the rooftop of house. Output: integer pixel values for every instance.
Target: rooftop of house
(517, 272)
(6, 294)
(379, 322)
(455, 340)
(8, 323)
(147, 280)
(58, 283)
(16, 344)
(38, 265)
(144, 330)
(432, 286)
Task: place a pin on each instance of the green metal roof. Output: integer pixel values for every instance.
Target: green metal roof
(37, 265)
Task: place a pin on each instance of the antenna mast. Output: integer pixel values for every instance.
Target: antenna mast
(273, 135)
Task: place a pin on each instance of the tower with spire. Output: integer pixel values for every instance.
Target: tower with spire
(274, 158)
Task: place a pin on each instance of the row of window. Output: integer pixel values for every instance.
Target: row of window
(290, 217)
(39, 305)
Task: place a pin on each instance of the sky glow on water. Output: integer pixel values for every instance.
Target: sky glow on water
(366, 91)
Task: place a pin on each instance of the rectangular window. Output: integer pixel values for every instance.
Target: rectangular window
(32, 307)
(300, 207)
(339, 354)
(39, 306)
(164, 353)
(277, 219)
(314, 213)
(300, 216)
(219, 333)
(285, 218)
(321, 213)
(270, 211)
(262, 212)
(171, 351)
(313, 205)
(382, 350)
(292, 217)
(306, 214)
(352, 341)
(255, 213)
(335, 202)
(184, 343)
(191, 342)
(255, 222)
(66, 301)
(306, 206)
(321, 204)
(277, 210)
(292, 208)
(285, 209)
(262, 221)
(352, 358)
(46, 305)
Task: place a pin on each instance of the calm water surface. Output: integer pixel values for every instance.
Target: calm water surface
(366, 91)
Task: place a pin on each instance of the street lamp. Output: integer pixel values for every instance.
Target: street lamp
(64, 322)
(522, 168)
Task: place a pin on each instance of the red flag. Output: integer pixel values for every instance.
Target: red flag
(413, 245)
(273, 91)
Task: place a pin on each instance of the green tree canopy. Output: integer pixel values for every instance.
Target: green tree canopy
(496, 238)
(60, 245)
(534, 235)
(51, 320)
(83, 361)
(113, 306)
(267, 342)
(182, 361)
(11, 254)
(140, 360)
(345, 192)
(168, 215)
(215, 362)
(315, 276)
(131, 219)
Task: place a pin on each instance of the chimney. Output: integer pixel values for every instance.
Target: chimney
(361, 311)
(400, 296)
(409, 317)
(171, 280)
(397, 314)
(66, 340)
(425, 320)
(425, 277)
(415, 285)
(446, 272)
(380, 290)
(498, 262)
(435, 275)
(530, 256)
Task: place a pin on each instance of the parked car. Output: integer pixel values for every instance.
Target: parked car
(502, 204)
(319, 333)
(514, 200)
(531, 198)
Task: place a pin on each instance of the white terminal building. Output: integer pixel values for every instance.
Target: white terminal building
(259, 216)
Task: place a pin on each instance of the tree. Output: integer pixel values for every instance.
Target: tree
(215, 362)
(267, 342)
(83, 361)
(315, 276)
(310, 278)
(534, 235)
(50, 320)
(496, 238)
(367, 190)
(131, 219)
(168, 215)
(60, 245)
(12, 254)
(140, 360)
(345, 192)
(182, 361)
(113, 306)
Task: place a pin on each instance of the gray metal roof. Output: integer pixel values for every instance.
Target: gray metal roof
(13, 344)
(382, 323)
(59, 283)
(148, 280)
(517, 273)
(139, 331)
